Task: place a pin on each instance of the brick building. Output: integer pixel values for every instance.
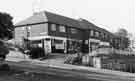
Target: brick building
(58, 33)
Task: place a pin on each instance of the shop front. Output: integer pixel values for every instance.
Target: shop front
(104, 44)
(74, 46)
(42, 42)
(93, 44)
(58, 46)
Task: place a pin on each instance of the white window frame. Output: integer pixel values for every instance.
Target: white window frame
(102, 35)
(53, 27)
(23, 28)
(62, 28)
(97, 34)
(73, 30)
(91, 32)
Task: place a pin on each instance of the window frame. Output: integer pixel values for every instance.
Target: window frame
(62, 28)
(73, 30)
(97, 34)
(53, 27)
(91, 32)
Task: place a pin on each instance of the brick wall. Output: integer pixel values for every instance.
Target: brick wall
(38, 30)
(34, 31)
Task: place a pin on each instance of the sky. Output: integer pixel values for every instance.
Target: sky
(108, 14)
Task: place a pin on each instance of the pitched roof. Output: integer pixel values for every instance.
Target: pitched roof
(35, 18)
(89, 25)
(45, 16)
(55, 18)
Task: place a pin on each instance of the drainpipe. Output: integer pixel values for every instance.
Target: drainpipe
(89, 41)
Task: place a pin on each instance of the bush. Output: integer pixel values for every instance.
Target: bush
(36, 52)
(4, 67)
(74, 59)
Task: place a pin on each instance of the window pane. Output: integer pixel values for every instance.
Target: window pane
(29, 28)
(23, 28)
(62, 29)
(102, 35)
(92, 33)
(97, 34)
(73, 30)
(53, 27)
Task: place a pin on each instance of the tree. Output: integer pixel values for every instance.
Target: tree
(122, 32)
(6, 32)
(6, 26)
(124, 36)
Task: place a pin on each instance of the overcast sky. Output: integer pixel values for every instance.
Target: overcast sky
(109, 14)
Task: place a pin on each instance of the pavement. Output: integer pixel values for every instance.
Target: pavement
(57, 63)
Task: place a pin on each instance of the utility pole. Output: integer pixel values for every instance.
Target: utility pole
(27, 34)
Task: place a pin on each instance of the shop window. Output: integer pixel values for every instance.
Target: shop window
(29, 27)
(73, 30)
(62, 28)
(53, 27)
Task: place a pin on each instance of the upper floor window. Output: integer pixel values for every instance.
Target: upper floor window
(53, 27)
(62, 29)
(23, 28)
(73, 30)
(29, 27)
(91, 33)
(106, 36)
(97, 34)
(102, 35)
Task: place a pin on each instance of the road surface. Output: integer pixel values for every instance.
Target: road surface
(27, 72)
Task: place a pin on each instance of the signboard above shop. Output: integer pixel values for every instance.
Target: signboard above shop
(94, 40)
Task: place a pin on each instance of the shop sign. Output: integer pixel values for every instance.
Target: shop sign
(59, 46)
(104, 43)
(94, 40)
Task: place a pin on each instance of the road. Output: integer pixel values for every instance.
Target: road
(38, 73)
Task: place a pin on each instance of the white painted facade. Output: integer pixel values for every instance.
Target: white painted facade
(104, 43)
(47, 44)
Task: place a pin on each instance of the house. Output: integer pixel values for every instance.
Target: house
(96, 36)
(58, 33)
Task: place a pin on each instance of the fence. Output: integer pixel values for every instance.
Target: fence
(107, 51)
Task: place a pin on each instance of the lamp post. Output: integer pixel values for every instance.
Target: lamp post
(27, 28)
(27, 33)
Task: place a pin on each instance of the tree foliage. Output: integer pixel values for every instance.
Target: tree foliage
(125, 35)
(122, 32)
(6, 26)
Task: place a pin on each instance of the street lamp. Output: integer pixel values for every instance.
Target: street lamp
(27, 34)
